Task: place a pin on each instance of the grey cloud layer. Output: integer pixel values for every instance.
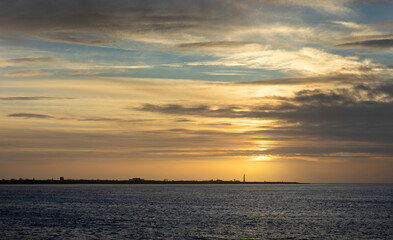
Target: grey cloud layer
(97, 22)
(96, 16)
(361, 114)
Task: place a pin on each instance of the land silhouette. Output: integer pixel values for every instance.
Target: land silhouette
(133, 181)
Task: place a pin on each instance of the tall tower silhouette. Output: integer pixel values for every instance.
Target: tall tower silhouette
(244, 177)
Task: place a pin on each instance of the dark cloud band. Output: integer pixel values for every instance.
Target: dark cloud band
(370, 44)
(29, 115)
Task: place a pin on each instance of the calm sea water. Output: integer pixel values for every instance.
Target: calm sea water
(312, 211)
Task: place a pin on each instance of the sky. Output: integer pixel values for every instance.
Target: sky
(285, 90)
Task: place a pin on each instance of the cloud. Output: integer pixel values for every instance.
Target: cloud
(369, 44)
(32, 98)
(87, 119)
(132, 67)
(79, 39)
(307, 61)
(216, 46)
(351, 25)
(31, 60)
(319, 79)
(360, 113)
(224, 73)
(71, 20)
(174, 144)
(89, 73)
(29, 115)
(103, 119)
(200, 110)
(27, 73)
(100, 119)
(183, 120)
(26, 61)
(105, 22)
(41, 63)
(335, 7)
(366, 37)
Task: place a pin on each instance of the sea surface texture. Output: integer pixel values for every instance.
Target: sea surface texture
(310, 211)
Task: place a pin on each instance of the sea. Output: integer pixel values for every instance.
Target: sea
(197, 211)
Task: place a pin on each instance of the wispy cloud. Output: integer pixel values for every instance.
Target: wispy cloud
(27, 73)
(72, 118)
(224, 73)
(29, 115)
(335, 7)
(318, 79)
(79, 39)
(351, 25)
(42, 63)
(103, 119)
(303, 61)
(217, 46)
(369, 44)
(32, 98)
(132, 67)
(26, 61)
(89, 73)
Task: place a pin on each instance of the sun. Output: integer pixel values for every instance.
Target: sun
(260, 158)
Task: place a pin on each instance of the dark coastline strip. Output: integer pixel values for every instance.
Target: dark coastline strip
(82, 181)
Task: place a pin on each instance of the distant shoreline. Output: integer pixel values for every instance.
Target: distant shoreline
(133, 181)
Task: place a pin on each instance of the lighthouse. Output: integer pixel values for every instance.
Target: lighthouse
(244, 178)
